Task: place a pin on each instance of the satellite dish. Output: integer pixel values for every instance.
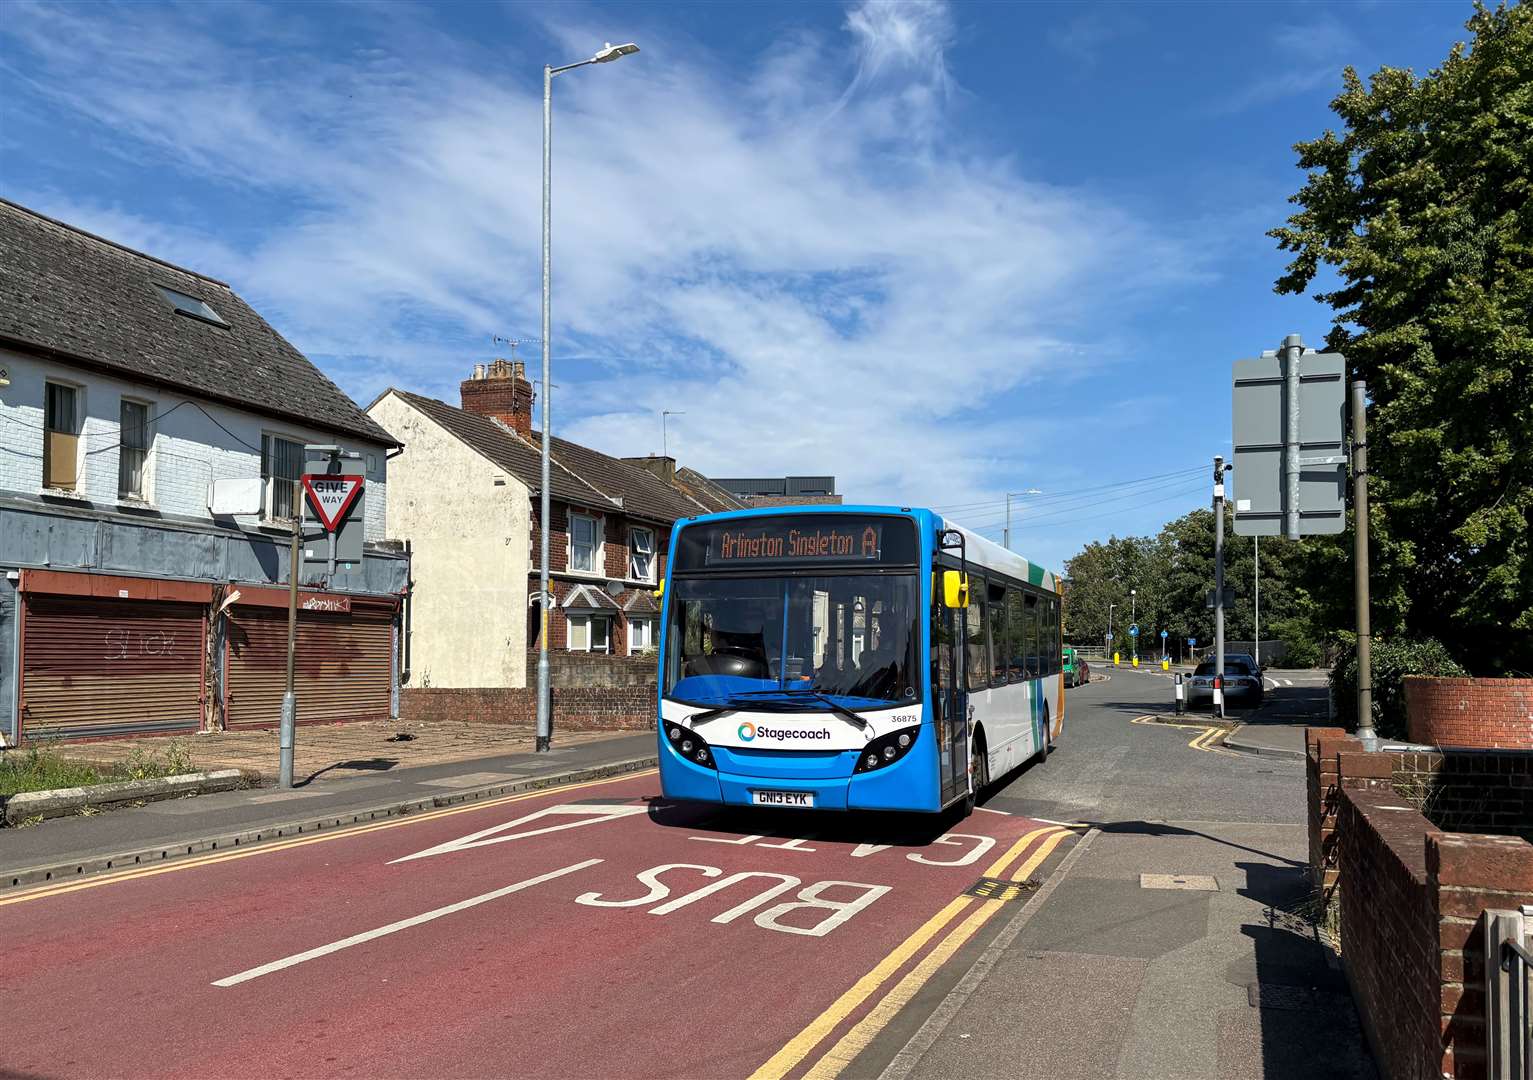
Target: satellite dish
(616, 588)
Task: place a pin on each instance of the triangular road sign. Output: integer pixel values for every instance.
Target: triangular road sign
(331, 495)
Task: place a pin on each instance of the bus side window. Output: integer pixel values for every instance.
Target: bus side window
(1000, 635)
(1055, 630)
(1034, 619)
(1016, 662)
(978, 651)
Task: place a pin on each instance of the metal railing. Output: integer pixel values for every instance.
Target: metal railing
(1508, 994)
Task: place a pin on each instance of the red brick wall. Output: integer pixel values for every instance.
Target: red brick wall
(614, 531)
(1493, 713)
(1411, 895)
(1389, 931)
(576, 708)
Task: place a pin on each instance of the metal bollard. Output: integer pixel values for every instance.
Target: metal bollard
(1181, 694)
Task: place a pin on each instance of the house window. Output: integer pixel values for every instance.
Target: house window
(582, 543)
(641, 554)
(191, 306)
(590, 633)
(281, 466)
(641, 635)
(133, 449)
(61, 439)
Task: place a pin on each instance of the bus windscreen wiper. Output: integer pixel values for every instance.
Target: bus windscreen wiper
(840, 710)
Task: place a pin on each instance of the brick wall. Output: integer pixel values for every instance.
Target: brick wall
(1492, 713)
(1411, 895)
(1389, 932)
(614, 532)
(575, 708)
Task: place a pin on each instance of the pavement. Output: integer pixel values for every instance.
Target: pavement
(596, 929)
(331, 751)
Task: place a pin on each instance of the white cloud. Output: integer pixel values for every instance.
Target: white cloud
(799, 252)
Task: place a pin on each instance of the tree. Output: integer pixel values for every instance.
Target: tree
(1423, 207)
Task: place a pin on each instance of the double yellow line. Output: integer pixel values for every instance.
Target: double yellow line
(856, 1040)
(134, 873)
(1207, 738)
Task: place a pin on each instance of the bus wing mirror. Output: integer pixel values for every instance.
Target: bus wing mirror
(955, 589)
(660, 590)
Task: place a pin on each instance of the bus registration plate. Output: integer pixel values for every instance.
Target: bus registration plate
(783, 798)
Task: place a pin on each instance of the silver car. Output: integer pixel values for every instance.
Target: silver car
(1241, 683)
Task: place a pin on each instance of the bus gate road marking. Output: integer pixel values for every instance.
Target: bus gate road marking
(43, 892)
(799, 1047)
(395, 927)
(590, 814)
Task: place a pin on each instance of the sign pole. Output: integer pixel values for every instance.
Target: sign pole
(1360, 560)
(1293, 349)
(1219, 586)
(289, 698)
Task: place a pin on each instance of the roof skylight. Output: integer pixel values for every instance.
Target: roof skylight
(191, 306)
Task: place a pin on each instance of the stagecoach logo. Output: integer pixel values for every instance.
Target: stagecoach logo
(749, 732)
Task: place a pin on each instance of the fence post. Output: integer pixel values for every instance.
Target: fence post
(1508, 1036)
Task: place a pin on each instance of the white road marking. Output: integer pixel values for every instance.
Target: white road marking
(987, 810)
(588, 814)
(395, 927)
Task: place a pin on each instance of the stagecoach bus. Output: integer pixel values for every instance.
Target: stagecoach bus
(851, 658)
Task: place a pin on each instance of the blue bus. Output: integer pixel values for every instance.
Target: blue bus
(851, 658)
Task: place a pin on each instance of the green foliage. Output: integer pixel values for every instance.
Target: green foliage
(33, 769)
(170, 760)
(1304, 648)
(1393, 659)
(1423, 208)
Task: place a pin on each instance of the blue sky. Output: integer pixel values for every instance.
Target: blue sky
(941, 251)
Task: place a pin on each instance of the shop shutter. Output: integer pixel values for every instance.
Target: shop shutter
(110, 667)
(343, 670)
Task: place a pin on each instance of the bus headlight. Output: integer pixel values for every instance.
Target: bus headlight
(886, 749)
(689, 744)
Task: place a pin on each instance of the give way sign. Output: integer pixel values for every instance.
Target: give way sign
(331, 495)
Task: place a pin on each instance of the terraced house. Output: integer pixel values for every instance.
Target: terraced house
(128, 387)
(464, 494)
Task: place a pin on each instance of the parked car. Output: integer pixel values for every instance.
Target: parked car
(1077, 671)
(1241, 682)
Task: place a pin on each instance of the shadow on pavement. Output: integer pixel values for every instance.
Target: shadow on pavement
(1160, 828)
(376, 764)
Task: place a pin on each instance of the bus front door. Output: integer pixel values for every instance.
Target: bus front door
(952, 704)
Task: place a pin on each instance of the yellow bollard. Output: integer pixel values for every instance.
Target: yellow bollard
(1114, 659)
(1165, 665)
(1136, 661)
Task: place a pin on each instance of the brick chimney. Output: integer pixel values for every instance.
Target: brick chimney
(500, 390)
(662, 467)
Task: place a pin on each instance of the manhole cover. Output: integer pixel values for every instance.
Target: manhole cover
(1194, 882)
(1293, 998)
(989, 888)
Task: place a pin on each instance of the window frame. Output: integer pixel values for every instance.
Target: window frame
(977, 677)
(143, 493)
(75, 432)
(596, 566)
(633, 532)
(649, 634)
(587, 622)
(269, 439)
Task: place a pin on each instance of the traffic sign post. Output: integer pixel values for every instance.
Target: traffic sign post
(331, 496)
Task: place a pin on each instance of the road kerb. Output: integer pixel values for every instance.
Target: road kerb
(74, 869)
(1234, 742)
(910, 1055)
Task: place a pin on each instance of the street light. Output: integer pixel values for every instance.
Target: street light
(1133, 617)
(1006, 536)
(1109, 626)
(608, 53)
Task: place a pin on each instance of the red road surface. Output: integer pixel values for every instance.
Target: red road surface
(117, 977)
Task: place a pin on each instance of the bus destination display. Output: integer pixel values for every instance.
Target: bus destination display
(797, 541)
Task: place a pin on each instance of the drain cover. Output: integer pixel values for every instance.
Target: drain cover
(989, 888)
(1195, 882)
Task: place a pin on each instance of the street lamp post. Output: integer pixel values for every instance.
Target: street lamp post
(1006, 536)
(1133, 619)
(1109, 626)
(545, 713)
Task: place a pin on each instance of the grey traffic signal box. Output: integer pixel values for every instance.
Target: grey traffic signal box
(1289, 448)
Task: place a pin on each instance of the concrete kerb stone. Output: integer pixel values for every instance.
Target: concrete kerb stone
(1234, 742)
(30, 805)
(79, 868)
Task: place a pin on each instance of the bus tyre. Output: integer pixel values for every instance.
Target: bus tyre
(1043, 752)
(979, 770)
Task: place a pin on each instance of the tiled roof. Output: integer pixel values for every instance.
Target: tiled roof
(577, 474)
(91, 302)
(588, 598)
(706, 492)
(643, 493)
(512, 453)
(639, 602)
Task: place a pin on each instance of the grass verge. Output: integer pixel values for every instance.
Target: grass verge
(38, 769)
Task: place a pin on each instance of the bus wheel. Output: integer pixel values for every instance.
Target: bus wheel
(979, 768)
(1043, 751)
